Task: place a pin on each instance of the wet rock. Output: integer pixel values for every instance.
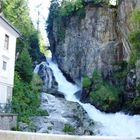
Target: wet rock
(46, 74)
(23, 127)
(62, 112)
(78, 94)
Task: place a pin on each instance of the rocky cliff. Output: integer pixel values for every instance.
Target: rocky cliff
(124, 26)
(95, 41)
(99, 40)
(89, 43)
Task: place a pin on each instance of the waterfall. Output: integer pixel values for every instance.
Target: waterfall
(111, 124)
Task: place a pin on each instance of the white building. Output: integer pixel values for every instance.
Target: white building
(8, 36)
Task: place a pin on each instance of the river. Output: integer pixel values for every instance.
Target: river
(110, 124)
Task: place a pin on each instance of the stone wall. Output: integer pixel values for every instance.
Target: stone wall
(8, 121)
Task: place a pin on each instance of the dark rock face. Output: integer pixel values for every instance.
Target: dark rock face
(94, 42)
(90, 43)
(49, 83)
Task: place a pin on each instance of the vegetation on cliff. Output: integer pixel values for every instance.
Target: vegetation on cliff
(103, 95)
(60, 14)
(134, 36)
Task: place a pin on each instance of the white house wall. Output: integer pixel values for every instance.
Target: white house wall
(7, 55)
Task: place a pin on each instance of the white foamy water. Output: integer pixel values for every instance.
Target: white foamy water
(112, 124)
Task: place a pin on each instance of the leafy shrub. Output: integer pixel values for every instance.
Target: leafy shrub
(134, 36)
(26, 98)
(68, 7)
(36, 83)
(24, 66)
(97, 79)
(106, 97)
(136, 104)
(40, 112)
(121, 72)
(68, 128)
(86, 82)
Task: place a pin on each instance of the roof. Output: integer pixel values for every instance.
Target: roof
(8, 23)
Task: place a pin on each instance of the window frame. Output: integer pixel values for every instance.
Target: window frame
(6, 42)
(4, 65)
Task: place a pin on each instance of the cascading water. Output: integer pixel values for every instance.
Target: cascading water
(113, 124)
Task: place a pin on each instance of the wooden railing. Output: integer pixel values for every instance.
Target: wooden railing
(13, 135)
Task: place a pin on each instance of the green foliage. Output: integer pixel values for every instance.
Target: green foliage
(106, 97)
(135, 18)
(60, 15)
(97, 79)
(138, 87)
(68, 7)
(41, 112)
(26, 98)
(64, 10)
(24, 66)
(53, 14)
(34, 50)
(86, 82)
(81, 13)
(121, 72)
(136, 104)
(134, 36)
(68, 128)
(17, 12)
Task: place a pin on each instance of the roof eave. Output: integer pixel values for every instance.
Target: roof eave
(7, 22)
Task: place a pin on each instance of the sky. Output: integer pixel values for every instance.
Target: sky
(43, 7)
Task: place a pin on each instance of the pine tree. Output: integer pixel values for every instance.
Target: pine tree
(24, 66)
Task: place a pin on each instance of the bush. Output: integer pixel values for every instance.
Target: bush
(68, 128)
(121, 72)
(24, 66)
(107, 98)
(26, 98)
(97, 79)
(86, 82)
(68, 7)
(136, 105)
(134, 36)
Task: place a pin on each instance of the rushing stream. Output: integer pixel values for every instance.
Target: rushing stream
(113, 124)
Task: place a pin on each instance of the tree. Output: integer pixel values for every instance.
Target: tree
(24, 66)
(53, 13)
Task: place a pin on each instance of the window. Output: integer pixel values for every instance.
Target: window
(4, 65)
(6, 42)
